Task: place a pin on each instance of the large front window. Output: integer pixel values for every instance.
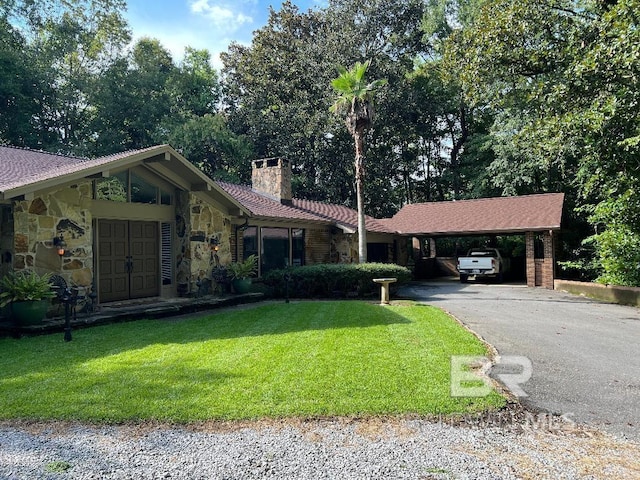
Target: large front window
(128, 186)
(277, 247)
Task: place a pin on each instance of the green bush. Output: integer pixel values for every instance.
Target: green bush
(23, 286)
(333, 280)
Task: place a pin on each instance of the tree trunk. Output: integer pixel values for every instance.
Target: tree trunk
(359, 166)
(455, 151)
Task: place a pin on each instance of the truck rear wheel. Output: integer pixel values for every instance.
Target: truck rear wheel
(464, 278)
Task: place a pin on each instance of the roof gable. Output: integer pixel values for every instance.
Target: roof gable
(24, 171)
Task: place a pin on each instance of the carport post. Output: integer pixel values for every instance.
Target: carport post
(530, 261)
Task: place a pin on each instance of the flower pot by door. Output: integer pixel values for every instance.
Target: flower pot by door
(30, 312)
(241, 285)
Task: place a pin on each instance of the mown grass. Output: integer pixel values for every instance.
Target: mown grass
(297, 359)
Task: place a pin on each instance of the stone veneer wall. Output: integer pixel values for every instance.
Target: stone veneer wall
(36, 222)
(272, 176)
(344, 248)
(196, 223)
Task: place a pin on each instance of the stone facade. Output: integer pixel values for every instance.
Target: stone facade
(27, 230)
(197, 223)
(272, 177)
(36, 222)
(344, 248)
(208, 223)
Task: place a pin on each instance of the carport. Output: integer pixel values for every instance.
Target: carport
(538, 217)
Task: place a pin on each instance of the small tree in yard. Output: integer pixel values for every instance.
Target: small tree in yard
(355, 97)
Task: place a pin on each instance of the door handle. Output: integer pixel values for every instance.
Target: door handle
(128, 264)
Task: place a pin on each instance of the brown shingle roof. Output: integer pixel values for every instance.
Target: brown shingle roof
(485, 215)
(20, 167)
(264, 206)
(340, 214)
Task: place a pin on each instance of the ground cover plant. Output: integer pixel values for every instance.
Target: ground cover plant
(297, 359)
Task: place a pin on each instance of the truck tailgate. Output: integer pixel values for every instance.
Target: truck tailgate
(475, 263)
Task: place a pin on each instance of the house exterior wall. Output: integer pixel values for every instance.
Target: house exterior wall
(27, 230)
(317, 246)
(344, 247)
(207, 222)
(67, 212)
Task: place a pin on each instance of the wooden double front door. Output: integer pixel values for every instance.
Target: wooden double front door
(128, 260)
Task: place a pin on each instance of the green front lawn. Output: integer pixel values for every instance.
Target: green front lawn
(297, 359)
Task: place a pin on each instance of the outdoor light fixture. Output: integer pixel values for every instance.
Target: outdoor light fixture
(60, 244)
(214, 243)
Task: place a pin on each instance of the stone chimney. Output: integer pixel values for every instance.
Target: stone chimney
(272, 177)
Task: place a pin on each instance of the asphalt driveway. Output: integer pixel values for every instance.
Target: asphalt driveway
(585, 355)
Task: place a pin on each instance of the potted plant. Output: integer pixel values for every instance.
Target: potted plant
(29, 295)
(241, 273)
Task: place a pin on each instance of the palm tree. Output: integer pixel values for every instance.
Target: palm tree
(355, 97)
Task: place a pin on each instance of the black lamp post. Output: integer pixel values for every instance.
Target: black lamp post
(65, 295)
(67, 315)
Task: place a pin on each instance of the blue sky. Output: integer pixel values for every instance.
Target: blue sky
(210, 24)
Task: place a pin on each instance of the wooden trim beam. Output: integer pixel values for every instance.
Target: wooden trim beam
(162, 157)
(201, 187)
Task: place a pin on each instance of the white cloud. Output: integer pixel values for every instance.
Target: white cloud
(175, 41)
(222, 17)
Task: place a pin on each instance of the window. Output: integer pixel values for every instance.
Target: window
(165, 198)
(130, 187)
(250, 242)
(113, 188)
(275, 248)
(378, 252)
(297, 247)
(142, 191)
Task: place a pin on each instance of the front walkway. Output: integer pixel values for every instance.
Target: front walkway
(131, 310)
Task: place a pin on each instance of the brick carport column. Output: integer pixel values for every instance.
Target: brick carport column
(548, 267)
(529, 238)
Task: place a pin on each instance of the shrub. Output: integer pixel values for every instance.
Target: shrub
(25, 285)
(244, 269)
(333, 280)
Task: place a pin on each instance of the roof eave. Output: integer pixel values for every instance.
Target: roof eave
(517, 230)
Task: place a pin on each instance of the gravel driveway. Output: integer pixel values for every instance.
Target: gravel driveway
(585, 354)
(315, 449)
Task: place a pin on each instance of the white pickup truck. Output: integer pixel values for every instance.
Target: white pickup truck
(483, 262)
